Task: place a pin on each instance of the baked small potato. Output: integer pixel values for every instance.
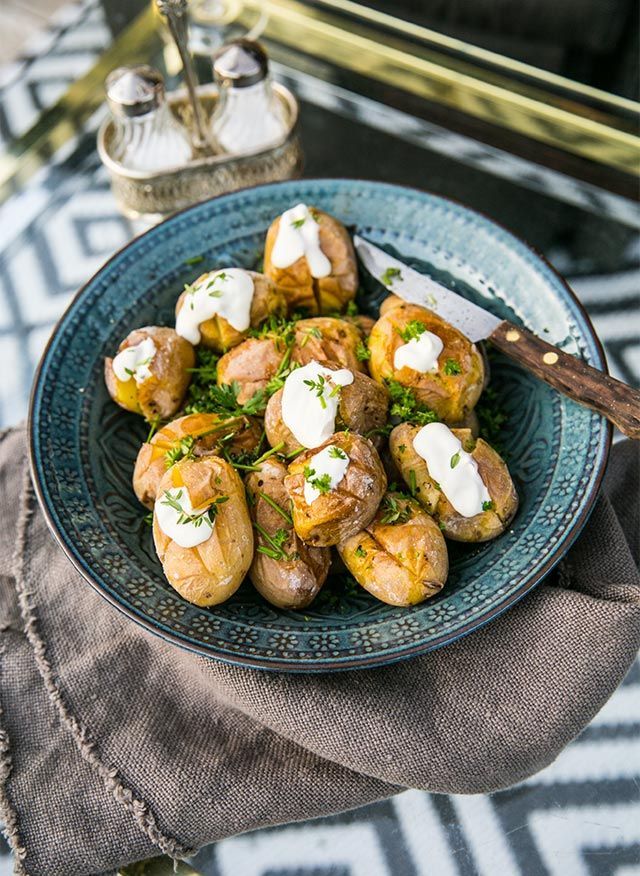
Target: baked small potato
(217, 333)
(251, 365)
(362, 408)
(191, 436)
(155, 385)
(327, 339)
(401, 556)
(308, 294)
(345, 508)
(454, 386)
(285, 571)
(492, 469)
(210, 572)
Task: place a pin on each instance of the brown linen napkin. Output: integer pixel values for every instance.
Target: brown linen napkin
(114, 744)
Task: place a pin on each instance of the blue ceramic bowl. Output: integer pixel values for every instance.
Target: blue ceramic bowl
(83, 447)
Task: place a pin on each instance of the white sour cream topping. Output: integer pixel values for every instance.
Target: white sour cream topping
(299, 235)
(227, 293)
(419, 353)
(134, 362)
(189, 534)
(332, 461)
(461, 484)
(309, 408)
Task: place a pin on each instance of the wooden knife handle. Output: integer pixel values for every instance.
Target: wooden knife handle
(613, 399)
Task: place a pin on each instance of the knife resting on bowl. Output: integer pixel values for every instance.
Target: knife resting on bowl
(612, 398)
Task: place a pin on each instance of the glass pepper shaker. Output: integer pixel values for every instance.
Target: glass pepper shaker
(147, 135)
(248, 115)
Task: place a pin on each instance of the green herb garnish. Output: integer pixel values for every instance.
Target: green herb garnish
(360, 552)
(363, 353)
(194, 260)
(390, 275)
(393, 512)
(452, 366)
(153, 428)
(413, 487)
(274, 546)
(207, 516)
(406, 408)
(412, 330)
(298, 223)
(184, 449)
(337, 453)
(488, 506)
(455, 459)
(284, 514)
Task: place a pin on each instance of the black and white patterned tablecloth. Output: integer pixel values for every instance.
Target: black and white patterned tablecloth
(580, 816)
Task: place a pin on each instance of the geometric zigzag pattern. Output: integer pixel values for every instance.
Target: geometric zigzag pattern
(578, 817)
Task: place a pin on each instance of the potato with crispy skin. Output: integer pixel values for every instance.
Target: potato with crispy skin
(454, 386)
(285, 571)
(191, 436)
(338, 512)
(305, 293)
(492, 469)
(212, 571)
(217, 333)
(327, 339)
(401, 556)
(162, 392)
(251, 365)
(362, 408)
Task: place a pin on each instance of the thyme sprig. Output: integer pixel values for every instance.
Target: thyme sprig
(208, 516)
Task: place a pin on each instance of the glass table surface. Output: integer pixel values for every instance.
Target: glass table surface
(59, 223)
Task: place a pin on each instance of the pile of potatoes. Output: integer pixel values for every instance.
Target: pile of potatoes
(387, 518)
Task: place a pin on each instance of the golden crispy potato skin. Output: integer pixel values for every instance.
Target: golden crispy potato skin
(362, 408)
(211, 572)
(251, 365)
(327, 339)
(218, 334)
(207, 430)
(317, 295)
(288, 583)
(492, 469)
(336, 515)
(451, 396)
(162, 394)
(401, 563)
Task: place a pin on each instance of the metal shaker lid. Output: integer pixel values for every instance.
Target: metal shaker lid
(240, 63)
(134, 91)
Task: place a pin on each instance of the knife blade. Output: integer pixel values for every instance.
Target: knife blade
(568, 374)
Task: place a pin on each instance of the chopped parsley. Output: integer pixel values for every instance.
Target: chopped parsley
(406, 408)
(390, 275)
(455, 459)
(394, 511)
(488, 506)
(360, 552)
(412, 330)
(352, 309)
(298, 223)
(452, 366)
(322, 483)
(337, 453)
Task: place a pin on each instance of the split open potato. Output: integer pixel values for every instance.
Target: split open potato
(287, 572)
(400, 557)
(162, 393)
(492, 469)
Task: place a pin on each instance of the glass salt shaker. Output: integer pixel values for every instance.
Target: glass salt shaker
(248, 114)
(147, 135)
